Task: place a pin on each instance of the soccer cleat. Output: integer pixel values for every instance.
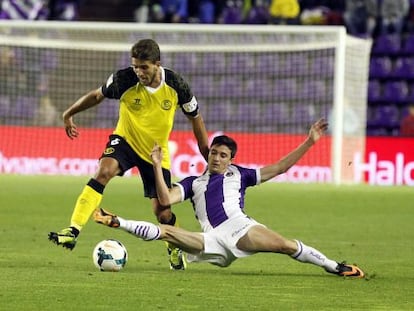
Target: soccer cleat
(65, 237)
(177, 259)
(349, 271)
(106, 218)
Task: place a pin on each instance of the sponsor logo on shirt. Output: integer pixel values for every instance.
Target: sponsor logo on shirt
(136, 105)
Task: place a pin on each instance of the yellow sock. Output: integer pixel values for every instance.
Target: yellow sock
(87, 202)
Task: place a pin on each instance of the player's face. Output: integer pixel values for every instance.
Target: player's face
(219, 158)
(147, 72)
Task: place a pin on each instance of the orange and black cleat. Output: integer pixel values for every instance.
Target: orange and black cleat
(351, 271)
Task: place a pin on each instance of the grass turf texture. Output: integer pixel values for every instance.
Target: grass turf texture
(370, 226)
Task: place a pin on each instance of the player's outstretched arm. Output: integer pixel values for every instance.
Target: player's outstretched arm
(87, 101)
(200, 133)
(165, 195)
(315, 133)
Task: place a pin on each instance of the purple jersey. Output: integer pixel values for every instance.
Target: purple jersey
(218, 197)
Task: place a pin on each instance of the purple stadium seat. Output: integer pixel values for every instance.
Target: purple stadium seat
(285, 89)
(404, 68)
(322, 66)
(206, 12)
(232, 15)
(408, 44)
(375, 131)
(5, 104)
(387, 44)
(258, 15)
(410, 95)
(293, 65)
(258, 88)
(314, 89)
(124, 60)
(24, 107)
(248, 113)
(303, 114)
(396, 91)
(383, 116)
(49, 60)
(107, 114)
(267, 62)
(221, 112)
(241, 63)
(230, 87)
(380, 67)
(213, 62)
(276, 113)
(374, 91)
(23, 110)
(186, 63)
(203, 85)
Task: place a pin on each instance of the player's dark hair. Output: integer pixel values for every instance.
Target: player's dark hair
(226, 141)
(146, 49)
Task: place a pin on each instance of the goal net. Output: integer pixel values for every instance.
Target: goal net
(263, 85)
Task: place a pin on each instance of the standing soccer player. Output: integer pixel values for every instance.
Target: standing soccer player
(148, 97)
(218, 202)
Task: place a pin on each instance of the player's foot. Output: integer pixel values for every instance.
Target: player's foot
(349, 271)
(106, 218)
(65, 237)
(177, 259)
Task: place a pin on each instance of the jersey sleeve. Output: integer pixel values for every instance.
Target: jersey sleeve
(250, 177)
(186, 186)
(118, 82)
(186, 99)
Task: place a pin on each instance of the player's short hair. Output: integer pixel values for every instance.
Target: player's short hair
(226, 141)
(146, 49)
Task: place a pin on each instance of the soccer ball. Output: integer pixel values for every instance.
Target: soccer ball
(110, 255)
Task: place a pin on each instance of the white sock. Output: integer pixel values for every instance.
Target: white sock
(142, 229)
(308, 254)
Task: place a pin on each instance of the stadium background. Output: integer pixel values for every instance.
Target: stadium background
(389, 92)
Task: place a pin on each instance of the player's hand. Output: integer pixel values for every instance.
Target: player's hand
(70, 128)
(318, 129)
(156, 154)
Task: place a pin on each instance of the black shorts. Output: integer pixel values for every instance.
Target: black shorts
(127, 158)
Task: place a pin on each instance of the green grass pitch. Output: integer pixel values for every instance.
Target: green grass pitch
(370, 226)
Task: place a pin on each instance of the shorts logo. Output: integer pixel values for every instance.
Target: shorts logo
(166, 105)
(237, 231)
(109, 150)
(115, 141)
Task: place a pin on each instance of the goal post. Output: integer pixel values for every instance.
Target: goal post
(263, 84)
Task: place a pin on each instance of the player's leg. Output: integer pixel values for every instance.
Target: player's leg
(191, 242)
(88, 200)
(164, 214)
(116, 152)
(262, 239)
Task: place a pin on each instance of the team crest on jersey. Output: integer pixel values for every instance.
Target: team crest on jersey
(109, 150)
(166, 104)
(229, 174)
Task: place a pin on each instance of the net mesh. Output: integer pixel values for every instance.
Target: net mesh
(247, 80)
